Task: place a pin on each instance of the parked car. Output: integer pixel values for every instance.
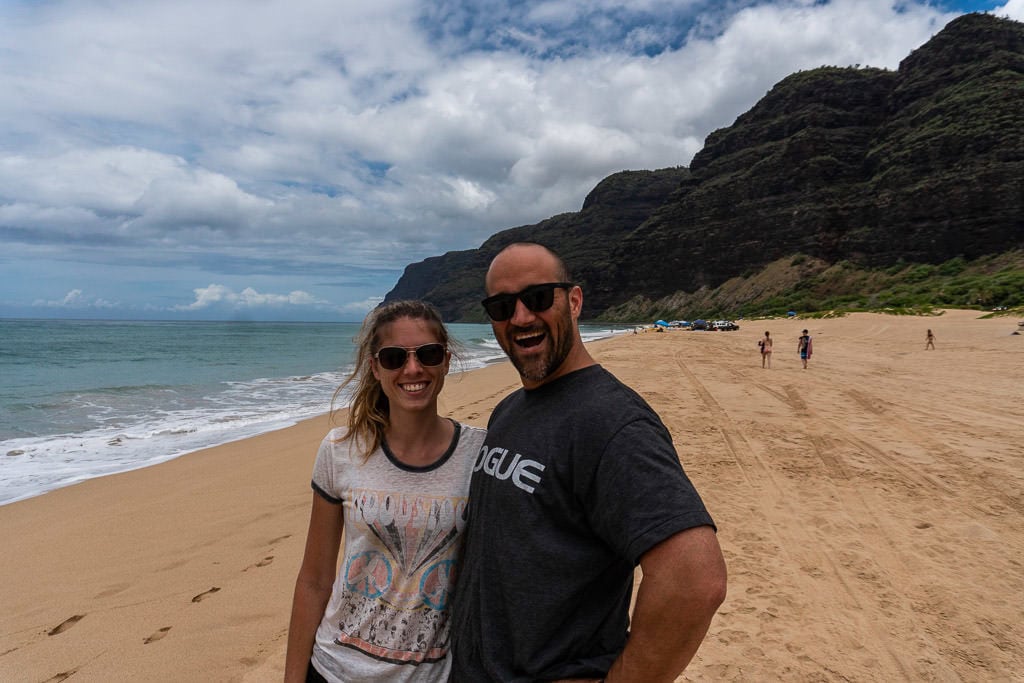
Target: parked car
(699, 325)
(725, 325)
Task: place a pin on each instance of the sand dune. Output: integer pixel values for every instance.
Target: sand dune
(871, 509)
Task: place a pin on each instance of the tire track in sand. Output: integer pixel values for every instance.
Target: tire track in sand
(950, 483)
(979, 486)
(811, 554)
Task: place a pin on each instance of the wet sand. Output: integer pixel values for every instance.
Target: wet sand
(871, 509)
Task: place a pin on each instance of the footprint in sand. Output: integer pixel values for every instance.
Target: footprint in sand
(62, 676)
(113, 590)
(65, 625)
(275, 541)
(156, 636)
(262, 563)
(205, 594)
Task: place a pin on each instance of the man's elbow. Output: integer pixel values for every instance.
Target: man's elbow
(689, 567)
(709, 579)
(714, 589)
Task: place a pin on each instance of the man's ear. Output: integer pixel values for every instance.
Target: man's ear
(576, 301)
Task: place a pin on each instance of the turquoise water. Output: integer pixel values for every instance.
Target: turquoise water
(81, 399)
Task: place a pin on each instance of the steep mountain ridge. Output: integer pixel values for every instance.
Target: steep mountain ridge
(864, 166)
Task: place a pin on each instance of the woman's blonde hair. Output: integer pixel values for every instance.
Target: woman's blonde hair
(368, 412)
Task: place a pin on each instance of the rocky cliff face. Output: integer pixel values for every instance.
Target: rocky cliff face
(455, 282)
(921, 165)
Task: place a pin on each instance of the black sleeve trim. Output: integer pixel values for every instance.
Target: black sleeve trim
(667, 529)
(326, 496)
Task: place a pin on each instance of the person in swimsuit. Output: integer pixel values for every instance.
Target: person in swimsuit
(766, 350)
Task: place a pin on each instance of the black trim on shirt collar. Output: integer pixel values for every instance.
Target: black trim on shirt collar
(426, 468)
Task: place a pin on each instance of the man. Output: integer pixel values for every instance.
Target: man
(804, 347)
(577, 483)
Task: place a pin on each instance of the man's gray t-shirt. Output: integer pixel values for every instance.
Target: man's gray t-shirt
(577, 479)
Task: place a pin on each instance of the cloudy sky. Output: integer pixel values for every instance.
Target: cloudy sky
(285, 160)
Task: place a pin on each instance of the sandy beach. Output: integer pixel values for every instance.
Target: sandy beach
(871, 510)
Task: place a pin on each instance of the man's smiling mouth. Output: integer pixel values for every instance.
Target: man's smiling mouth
(528, 340)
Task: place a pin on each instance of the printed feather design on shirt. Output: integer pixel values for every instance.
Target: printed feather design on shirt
(415, 529)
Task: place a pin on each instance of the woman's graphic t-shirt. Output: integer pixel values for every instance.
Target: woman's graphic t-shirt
(403, 525)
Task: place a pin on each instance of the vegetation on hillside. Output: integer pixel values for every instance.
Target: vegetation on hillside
(810, 287)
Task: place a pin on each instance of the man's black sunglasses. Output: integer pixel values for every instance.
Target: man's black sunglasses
(395, 357)
(537, 298)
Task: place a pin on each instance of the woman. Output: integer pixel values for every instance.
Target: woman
(396, 480)
(766, 350)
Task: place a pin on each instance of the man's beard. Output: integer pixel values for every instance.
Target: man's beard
(539, 368)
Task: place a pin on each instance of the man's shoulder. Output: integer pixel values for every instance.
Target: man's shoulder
(471, 435)
(607, 401)
(596, 376)
(590, 389)
(591, 386)
(509, 399)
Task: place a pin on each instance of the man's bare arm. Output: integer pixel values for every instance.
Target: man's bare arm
(683, 585)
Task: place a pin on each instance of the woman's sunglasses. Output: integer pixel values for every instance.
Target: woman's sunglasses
(395, 357)
(537, 298)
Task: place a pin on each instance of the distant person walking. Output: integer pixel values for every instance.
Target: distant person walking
(929, 341)
(804, 348)
(766, 350)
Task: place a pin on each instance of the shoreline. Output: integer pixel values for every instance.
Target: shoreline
(124, 440)
(871, 509)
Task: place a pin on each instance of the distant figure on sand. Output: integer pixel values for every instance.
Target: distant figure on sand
(929, 341)
(396, 481)
(766, 350)
(577, 485)
(804, 348)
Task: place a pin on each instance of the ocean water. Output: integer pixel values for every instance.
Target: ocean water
(81, 399)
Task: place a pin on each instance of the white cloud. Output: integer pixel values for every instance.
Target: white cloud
(1014, 9)
(220, 296)
(119, 192)
(362, 307)
(76, 299)
(288, 135)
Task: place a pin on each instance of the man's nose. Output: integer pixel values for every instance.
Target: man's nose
(522, 315)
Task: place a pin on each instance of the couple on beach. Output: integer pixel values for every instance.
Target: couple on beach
(506, 554)
(804, 347)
